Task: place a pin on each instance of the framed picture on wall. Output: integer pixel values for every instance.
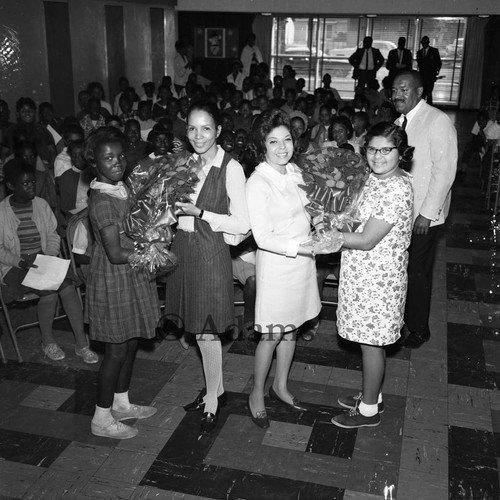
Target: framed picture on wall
(215, 43)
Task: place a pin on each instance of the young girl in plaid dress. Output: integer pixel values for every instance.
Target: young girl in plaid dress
(122, 304)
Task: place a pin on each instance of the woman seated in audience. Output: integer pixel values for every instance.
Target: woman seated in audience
(28, 228)
(93, 119)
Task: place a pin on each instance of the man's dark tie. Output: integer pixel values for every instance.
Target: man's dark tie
(403, 125)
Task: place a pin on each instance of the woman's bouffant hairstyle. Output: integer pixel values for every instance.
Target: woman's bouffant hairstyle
(264, 123)
(207, 106)
(103, 135)
(397, 135)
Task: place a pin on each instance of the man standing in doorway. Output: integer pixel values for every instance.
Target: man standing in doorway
(434, 166)
(399, 59)
(366, 62)
(429, 65)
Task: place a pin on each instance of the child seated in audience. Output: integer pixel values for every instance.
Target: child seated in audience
(161, 141)
(244, 119)
(74, 184)
(360, 122)
(226, 141)
(224, 100)
(259, 90)
(96, 91)
(289, 81)
(340, 134)
(83, 102)
(319, 133)
(149, 94)
(300, 85)
(240, 142)
(236, 103)
(45, 187)
(178, 125)
(247, 89)
(177, 144)
(301, 143)
(290, 96)
(226, 122)
(135, 148)
(114, 121)
(144, 119)
(93, 119)
(327, 81)
(72, 133)
(160, 106)
(386, 113)
(126, 108)
(27, 228)
(373, 97)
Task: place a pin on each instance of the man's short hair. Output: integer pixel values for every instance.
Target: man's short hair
(415, 75)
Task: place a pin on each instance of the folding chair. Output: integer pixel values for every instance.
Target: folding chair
(29, 297)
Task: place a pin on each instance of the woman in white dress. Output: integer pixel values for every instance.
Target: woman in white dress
(287, 290)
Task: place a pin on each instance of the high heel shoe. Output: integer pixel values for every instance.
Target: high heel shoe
(198, 404)
(209, 422)
(260, 420)
(295, 404)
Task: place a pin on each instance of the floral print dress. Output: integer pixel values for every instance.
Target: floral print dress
(372, 287)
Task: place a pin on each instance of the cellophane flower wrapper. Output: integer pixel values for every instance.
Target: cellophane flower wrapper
(155, 187)
(333, 181)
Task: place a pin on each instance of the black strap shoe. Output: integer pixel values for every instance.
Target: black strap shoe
(199, 405)
(209, 422)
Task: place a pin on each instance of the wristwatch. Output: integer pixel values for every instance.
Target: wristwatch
(200, 216)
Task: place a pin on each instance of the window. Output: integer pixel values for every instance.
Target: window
(314, 46)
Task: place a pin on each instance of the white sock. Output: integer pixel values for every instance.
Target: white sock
(379, 400)
(121, 401)
(102, 416)
(368, 410)
(211, 354)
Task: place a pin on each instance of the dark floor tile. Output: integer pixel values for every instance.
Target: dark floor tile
(327, 439)
(477, 479)
(463, 442)
(30, 449)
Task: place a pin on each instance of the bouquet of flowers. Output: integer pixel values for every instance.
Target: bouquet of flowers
(333, 181)
(155, 187)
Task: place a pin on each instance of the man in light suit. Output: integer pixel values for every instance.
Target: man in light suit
(434, 166)
(366, 61)
(429, 66)
(399, 59)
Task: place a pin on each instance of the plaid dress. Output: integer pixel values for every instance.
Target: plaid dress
(122, 303)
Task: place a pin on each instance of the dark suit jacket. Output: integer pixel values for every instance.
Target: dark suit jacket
(355, 60)
(430, 65)
(393, 59)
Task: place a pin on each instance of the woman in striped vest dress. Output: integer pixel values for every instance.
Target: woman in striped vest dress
(199, 293)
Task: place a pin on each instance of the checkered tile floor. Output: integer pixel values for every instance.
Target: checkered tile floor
(439, 437)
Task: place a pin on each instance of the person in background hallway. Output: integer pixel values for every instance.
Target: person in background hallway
(429, 65)
(433, 169)
(366, 62)
(183, 61)
(250, 56)
(399, 59)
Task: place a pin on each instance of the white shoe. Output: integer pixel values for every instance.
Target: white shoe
(89, 356)
(135, 411)
(115, 430)
(53, 351)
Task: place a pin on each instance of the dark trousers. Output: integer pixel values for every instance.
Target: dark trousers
(428, 88)
(422, 253)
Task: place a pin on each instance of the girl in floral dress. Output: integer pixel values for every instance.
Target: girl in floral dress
(373, 277)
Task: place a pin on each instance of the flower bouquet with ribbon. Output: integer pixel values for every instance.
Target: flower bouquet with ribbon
(155, 187)
(333, 181)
